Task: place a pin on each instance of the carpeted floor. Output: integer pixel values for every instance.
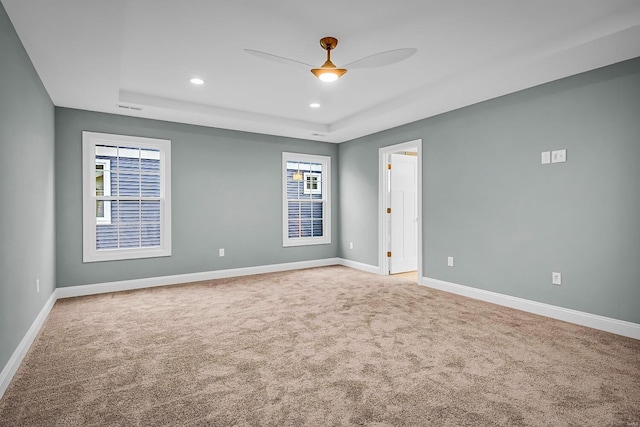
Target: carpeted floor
(324, 346)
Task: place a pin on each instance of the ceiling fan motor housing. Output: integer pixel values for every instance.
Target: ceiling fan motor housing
(328, 43)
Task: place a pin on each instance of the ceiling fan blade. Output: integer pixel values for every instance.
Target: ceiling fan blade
(275, 58)
(381, 59)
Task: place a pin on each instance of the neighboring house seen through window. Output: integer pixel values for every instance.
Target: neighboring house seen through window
(312, 181)
(103, 188)
(126, 197)
(306, 199)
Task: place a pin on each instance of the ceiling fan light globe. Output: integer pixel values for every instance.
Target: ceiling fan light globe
(328, 76)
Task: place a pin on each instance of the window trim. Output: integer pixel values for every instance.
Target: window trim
(326, 200)
(89, 220)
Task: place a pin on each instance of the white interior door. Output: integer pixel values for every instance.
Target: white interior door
(404, 213)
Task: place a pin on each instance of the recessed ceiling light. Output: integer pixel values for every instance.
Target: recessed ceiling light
(197, 81)
(314, 105)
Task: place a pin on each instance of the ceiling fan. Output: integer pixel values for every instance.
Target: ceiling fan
(328, 72)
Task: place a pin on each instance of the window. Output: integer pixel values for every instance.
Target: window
(126, 197)
(306, 199)
(312, 182)
(103, 188)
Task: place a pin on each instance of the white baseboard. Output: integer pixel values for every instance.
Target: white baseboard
(16, 358)
(127, 285)
(359, 265)
(615, 326)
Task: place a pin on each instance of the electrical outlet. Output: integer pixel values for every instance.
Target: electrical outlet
(350, 245)
(450, 261)
(38, 286)
(221, 252)
(556, 278)
(559, 156)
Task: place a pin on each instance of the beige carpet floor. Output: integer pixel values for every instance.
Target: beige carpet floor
(321, 347)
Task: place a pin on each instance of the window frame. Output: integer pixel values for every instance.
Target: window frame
(89, 220)
(325, 161)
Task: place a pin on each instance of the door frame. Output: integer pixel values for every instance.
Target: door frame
(383, 203)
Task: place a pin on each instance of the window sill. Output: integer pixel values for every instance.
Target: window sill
(120, 254)
(306, 241)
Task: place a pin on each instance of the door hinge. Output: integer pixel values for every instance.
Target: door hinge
(388, 210)
(388, 165)
(389, 254)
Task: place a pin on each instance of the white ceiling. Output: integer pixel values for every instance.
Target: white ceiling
(96, 55)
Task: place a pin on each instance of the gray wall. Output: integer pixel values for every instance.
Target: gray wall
(26, 192)
(508, 220)
(226, 193)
